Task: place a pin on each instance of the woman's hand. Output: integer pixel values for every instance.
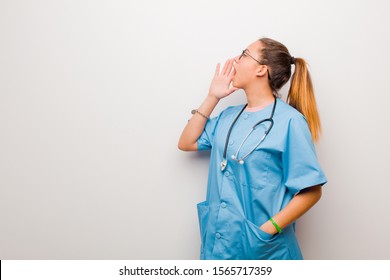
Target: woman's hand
(268, 227)
(220, 85)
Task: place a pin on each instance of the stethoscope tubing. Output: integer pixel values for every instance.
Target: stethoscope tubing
(234, 157)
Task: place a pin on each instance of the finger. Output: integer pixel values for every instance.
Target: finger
(230, 66)
(232, 73)
(217, 69)
(225, 67)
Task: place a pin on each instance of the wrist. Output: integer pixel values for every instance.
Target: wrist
(276, 226)
(213, 98)
(268, 227)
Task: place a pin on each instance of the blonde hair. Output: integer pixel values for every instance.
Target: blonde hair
(301, 93)
(301, 97)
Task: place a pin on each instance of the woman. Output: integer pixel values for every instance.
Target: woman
(264, 172)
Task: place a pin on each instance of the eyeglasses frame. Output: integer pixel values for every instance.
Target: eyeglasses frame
(245, 53)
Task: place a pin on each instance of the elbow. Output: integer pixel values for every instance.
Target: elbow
(182, 146)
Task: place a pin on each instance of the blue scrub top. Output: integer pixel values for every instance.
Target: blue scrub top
(244, 196)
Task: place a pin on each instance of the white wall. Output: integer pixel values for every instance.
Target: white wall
(94, 95)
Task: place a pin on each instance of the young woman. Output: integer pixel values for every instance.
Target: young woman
(264, 173)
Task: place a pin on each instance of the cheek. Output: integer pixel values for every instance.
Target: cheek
(240, 75)
(243, 74)
(236, 77)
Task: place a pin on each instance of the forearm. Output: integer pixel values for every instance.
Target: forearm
(196, 124)
(298, 206)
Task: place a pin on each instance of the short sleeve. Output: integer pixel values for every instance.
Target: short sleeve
(301, 168)
(206, 139)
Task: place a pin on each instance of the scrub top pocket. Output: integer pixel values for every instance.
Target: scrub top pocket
(259, 245)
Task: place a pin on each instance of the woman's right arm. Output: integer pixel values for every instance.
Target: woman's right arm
(219, 88)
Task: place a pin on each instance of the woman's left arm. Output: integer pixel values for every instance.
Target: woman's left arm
(298, 206)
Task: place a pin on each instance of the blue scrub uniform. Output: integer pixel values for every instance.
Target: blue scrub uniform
(244, 196)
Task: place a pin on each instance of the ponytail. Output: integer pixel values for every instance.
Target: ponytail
(301, 93)
(301, 97)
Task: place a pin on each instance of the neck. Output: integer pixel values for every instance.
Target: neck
(259, 96)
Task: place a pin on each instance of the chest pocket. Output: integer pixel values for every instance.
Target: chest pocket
(258, 169)
(262, 170)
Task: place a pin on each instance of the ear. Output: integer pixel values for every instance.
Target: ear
(261, 70)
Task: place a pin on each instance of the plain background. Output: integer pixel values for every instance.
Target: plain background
(94, 95)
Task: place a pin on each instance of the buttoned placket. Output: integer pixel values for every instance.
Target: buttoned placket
(221, 235)
(222, 223)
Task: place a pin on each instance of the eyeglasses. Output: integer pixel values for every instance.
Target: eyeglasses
(245, 53)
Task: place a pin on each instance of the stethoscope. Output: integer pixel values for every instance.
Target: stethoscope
(235, 156)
